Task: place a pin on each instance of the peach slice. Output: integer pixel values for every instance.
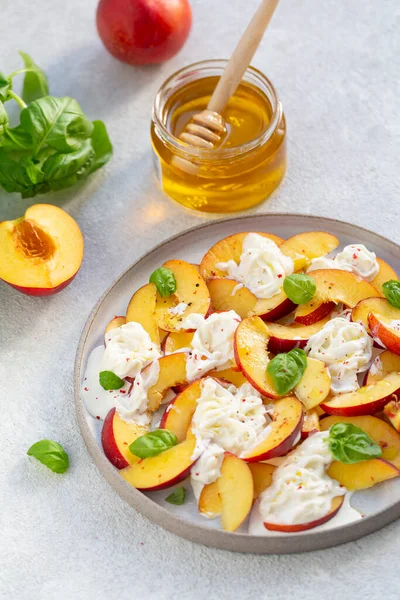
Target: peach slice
(284, 338)
(383, 364)
(386, 273)
(362, 475)
(210, 503)
(162, 471)
(310, 423)
(303, 247)
(378, 306)
(382, 433)
(179, 412)
(41, 252)
(176, 341)
(229, 376)
(333, 286)
(315, 384)
(116, 436)
(235, 487)
(262, 477)
(392, 412)
(367, 400)
(141, 309)
(190, 289)
(272, 309)
(115, 323)
(284, 431)
(227, 295)
(230, 248)
(335, 506)
(172, 373)
(384, 334)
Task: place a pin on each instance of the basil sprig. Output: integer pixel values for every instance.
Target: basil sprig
(177, 497)
(153, 443)
(54, 146)
(164, 280)
(51, 454)
(299, 288)
(391, 289)
(110, 381)
(350, 444)
(287, 369)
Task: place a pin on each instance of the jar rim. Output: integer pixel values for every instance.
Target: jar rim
(186, 150)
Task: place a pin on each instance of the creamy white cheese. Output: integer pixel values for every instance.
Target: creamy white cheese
(355, 258)
(394, 324)
(179, 309)
(345, 348)
(208, 467)
(301, 491)
(262, 266)
(132, 407)
(128, 350)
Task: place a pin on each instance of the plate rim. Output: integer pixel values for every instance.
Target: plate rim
(217, 538)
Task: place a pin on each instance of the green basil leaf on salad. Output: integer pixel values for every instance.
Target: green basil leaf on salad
(153, 443)
(350, 444)
(299, 288)
(391, 289)
(287, 369)
(177, 497)
(35, 81)
(110, 381)
(51, 454)
(164, 280)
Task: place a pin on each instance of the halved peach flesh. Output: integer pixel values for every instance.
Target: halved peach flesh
(362, 475)
(235, 487)
(386, 273)
(115, 323)
(162, 471)
(334, 286)
(367, 400)
(172, 373)
(262, 477)
(315, 384)
(190, 289)
(303, 247)
(177, 340)
(283, 433)
(210, 503)
(116, 436)
(284, 338)
(226, 295)
(335, 506)
(378, 306)
(230, 248)
(141, 309)
(382, 433)
(310, 423)
(384, 363)
(384, 334)
(42, 251)
(179, 412)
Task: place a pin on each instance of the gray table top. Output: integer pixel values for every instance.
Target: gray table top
(337, 68)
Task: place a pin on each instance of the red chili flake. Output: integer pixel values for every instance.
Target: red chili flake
(355, 256)
(122, 392)
(85, 379)
(280, 275)
(125, 443)
(197, 474)
(142, 543)
(97, 397)
(244, 400)
(115, 396)
(97, 417)
(383, 444)
(109, 340)
(86, 389)
(300, 487)
(221, 329)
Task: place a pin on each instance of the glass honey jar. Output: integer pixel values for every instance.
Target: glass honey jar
(250, 163)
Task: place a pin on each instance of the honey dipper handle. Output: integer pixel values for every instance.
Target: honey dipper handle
(242, 55)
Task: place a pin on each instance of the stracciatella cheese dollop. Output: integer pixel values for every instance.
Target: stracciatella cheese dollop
(301, 491)
(345, 348)
(132, 407)
(262, 266)
(128, 350)
(355, 258)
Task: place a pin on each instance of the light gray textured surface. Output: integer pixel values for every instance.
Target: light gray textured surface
(336, 66)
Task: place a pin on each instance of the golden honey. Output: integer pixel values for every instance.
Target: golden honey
(250, 163)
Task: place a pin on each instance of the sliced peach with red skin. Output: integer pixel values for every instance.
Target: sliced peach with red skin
(163, 470)
(315, 384)
(310, 423)
(226, 294)
(190, 289)
(229, 376)
(303, 247)
(378, 306)
(384, 363)
(284, 338)
(384, 334)
(335, 506)
(172, 373)
(386, 273)
(235, 487)
(262, 477)
(392, 412)
(229, 248)
(141, 309)
(179, 412)
(284, 431)
(116, 436)
(274, 308)
(333, 287)
(116, 322)
(177, 340)
(41, 252)
(362, 475)
(210, 503)
(367, 400)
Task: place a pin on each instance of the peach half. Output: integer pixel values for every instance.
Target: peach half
(41, 252)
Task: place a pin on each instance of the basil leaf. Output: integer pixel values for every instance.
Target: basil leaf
(63, 170)
(16, 138)
(13, 174)
(391, 289)
(56, 122)
(299, 288)
(350, 444)
(110, 381)
(101, 145)
(3, 121)
(35, 82)
(164, 280)
(287, 369)
(153, 443)
(5, 87)
(51, 454)
(177, 497)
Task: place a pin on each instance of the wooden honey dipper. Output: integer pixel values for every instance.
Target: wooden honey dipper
(207, 129)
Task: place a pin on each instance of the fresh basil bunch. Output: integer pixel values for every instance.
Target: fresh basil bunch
(54, 146)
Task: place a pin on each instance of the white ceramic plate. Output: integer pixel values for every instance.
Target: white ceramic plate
(381, 504)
